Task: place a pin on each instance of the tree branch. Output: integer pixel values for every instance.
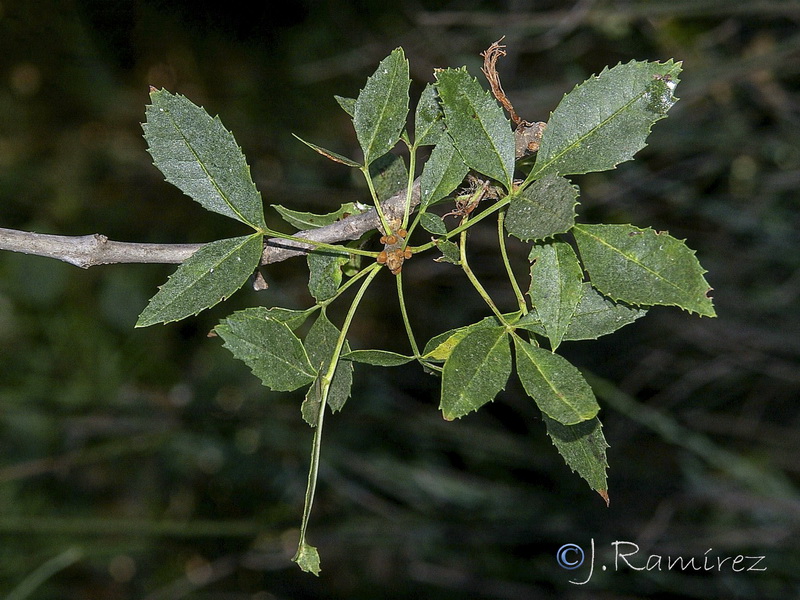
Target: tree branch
(89, 250)
(96, 249)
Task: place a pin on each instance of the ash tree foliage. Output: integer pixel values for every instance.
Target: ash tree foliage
(586, 279)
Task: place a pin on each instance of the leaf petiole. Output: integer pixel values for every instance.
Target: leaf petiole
(339, 249)
(404, 312)
(384, 223)
(303, 548)
(477, 284)
(504, 254)
(502, 203)
(412, 165)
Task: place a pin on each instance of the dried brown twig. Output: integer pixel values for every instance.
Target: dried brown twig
(528, 135)
(490, 56)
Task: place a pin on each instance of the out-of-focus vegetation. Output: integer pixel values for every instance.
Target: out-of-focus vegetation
(148, 464)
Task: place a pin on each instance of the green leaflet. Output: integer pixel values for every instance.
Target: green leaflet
(606, 119)
(204, 279)
(378, 358)
(439, 347)
(476, 370)
(307, 558)
(643, 267)
(307, 220)
(443, 172)
(450, 252)
(433, 224)
(389, 175)
(557, 387)
(200, 157)
(269, 348)
(320, 344)
(475, 121)
(325, 273)
(292, 318)
(380, 111)
(543, 209)
(348, 105)
(556, 287)
(583, 447)
(330, 154)
(595, 315)
(428, 118)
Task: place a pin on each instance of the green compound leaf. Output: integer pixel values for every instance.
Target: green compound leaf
(200, 157)
(378, 358)
(477, 125)
(325, 273)
(204, 279)
(307, 220)
(606, 119)
(583, 447)
(557, 387)
(428, 118)
(476, 370)
(330, 154)
(443, 173)
(307, 558)
(268, 347)
(595, 315)
(543, 209)
(556, 287)
(320, 344)
(643, 267)
(381, 108)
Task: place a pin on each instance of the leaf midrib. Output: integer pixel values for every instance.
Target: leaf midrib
(211, 178)
(484, 95)
(634, 261)
(558, 394)
(589, 133)
(395, 77)
(182, 293)
(261, 349)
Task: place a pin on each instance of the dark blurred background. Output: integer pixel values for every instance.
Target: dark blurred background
(147, 463)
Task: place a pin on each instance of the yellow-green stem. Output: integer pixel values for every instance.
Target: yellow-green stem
(474, 280)
(404, 313)
(325, 383)
(384, 223)
(504, 253)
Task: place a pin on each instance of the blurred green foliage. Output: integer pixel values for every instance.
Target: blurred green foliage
(148, 464)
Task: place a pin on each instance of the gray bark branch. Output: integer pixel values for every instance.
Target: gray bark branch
(96, 249)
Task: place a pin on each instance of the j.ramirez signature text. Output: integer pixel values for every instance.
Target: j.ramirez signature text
(626, 554)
